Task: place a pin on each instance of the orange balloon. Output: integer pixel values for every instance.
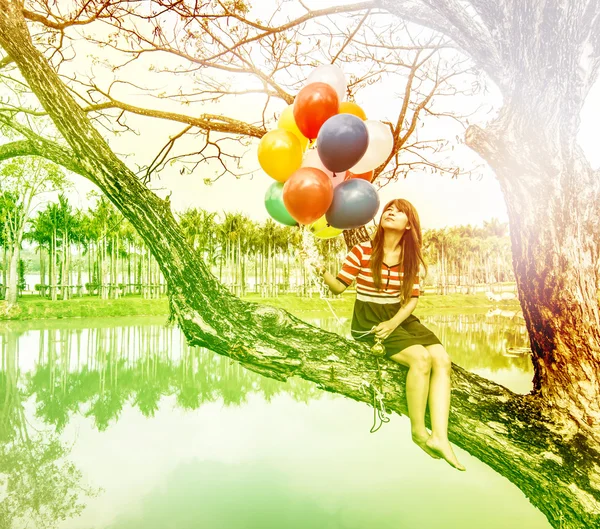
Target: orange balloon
(365, 176)
(307, 195)
(348, 107)
(313, 106)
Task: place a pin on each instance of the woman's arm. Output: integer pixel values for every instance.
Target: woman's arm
(405, 311)
(335, 286)
(385, 328)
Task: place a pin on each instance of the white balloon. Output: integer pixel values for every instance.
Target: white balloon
(312, 159)
(381, 143)
(331, 75)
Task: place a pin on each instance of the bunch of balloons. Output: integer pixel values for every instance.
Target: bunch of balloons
(322, 156)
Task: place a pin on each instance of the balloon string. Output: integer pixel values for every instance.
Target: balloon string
(310, 250)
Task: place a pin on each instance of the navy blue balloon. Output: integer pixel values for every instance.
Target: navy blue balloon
(342, 142)
(355, 202)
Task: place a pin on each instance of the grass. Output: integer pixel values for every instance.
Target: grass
(33, 307)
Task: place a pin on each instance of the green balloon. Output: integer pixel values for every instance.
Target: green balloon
(275, 207)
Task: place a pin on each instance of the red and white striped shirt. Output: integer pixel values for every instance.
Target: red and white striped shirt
(357, 266)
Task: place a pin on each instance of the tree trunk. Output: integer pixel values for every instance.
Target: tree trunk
(537, 447)
(356, 236)
(53, 252)
(79, 270)
(13, 276)
(559, 292)
(5, 269)
(42, 270)
(66, 272)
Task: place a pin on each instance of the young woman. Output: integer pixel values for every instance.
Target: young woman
(387, 289)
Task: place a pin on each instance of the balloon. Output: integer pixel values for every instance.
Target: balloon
(348, 107)
(275, 206)
(355, 202)
(342, 142)
(381, 143)
(332, 75)
(313, 106)
(307, 194)
(311, 159)
(322, 230)
(368, 176)
(279, 154)
(286, 122)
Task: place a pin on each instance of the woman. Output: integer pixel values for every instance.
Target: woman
(387, 289)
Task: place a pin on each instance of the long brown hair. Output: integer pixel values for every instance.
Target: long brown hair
(411, 257)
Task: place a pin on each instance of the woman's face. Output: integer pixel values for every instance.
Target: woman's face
(393, 219)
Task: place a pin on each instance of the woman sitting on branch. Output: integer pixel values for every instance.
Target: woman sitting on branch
(387, 289)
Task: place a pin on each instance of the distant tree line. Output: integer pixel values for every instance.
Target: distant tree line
(98, 252)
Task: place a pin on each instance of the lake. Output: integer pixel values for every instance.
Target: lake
(118, 424)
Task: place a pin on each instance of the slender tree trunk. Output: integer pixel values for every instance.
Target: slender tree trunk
(79, 270)
(5, 269)
(53, 266)
(66, 272)
(13, 275)
(42, 251)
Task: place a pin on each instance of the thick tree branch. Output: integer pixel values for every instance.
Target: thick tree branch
(43, 148)
(473, 38)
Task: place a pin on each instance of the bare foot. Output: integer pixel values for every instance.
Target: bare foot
(421, 441)
(443, 449)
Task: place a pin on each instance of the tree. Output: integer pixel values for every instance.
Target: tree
(22, 182)
(548, 442)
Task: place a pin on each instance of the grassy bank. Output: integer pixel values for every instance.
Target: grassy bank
(90, 307)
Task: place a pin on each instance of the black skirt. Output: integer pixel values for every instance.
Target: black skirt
(410, 332)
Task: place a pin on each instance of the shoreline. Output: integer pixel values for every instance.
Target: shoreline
(91, 307)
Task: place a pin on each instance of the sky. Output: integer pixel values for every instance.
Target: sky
(440, 201)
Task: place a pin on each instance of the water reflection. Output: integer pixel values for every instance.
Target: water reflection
(97, 370)
(68, 393)
(493, 344)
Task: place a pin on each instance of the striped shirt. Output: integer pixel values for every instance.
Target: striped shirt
(357, 266)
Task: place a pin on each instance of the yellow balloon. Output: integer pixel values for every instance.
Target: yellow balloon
(287, 122)
(322, 230)
(347, 107)
(279, 154)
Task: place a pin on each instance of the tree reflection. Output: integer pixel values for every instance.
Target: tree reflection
(137, 365)
(41, 487)
(98, 371)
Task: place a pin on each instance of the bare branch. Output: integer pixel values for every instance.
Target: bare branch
(205, 122)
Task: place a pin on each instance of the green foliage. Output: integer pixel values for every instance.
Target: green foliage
(42, 484)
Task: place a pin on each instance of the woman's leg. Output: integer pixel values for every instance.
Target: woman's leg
(418, 361)
(439, 404)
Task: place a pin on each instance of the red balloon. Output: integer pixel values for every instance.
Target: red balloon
(313, 106)
(365, 176)
(307, 194)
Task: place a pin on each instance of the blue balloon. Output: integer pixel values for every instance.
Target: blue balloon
(342, 142)
(275, 206)
(355, 202)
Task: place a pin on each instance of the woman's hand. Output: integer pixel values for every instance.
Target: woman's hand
(384, 329)
(318, 267)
